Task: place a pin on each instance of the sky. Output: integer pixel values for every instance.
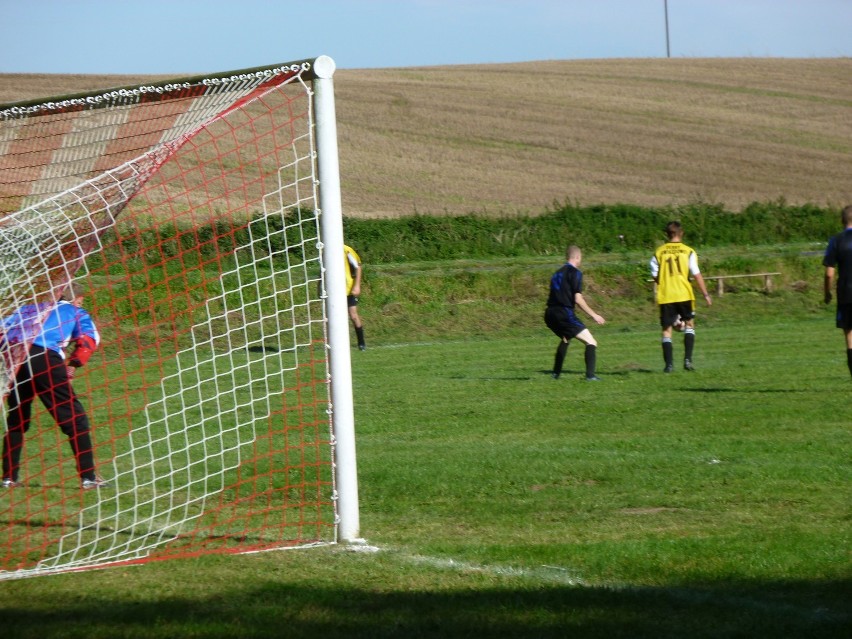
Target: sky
(201, 36)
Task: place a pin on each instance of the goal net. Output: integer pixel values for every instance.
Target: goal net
(195, 217)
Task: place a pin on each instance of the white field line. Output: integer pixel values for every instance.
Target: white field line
(561, 575)
(551, 574)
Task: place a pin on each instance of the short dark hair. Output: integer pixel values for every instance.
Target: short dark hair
(673, 229)
(846, 215)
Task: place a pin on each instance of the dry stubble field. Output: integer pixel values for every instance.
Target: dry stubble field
(508, 138)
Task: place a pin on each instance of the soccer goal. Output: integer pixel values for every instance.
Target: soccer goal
(202, 218)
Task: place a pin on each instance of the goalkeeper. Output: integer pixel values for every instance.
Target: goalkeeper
(48, 329)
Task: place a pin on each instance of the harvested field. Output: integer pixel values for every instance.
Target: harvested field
(508, 138)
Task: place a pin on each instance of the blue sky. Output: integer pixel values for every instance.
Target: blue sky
(198, 36)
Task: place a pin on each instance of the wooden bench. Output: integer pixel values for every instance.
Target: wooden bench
(720, 281)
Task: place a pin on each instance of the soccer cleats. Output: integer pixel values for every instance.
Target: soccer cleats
(92, 484)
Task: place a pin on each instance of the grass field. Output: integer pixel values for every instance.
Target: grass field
(496, 501)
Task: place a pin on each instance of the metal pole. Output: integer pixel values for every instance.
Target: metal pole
(666, 9)
(340, 362)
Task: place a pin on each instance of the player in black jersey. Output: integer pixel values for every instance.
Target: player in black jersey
(566, 293)
(838, 266)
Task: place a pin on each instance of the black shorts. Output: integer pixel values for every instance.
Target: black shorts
(563, 322)
(351, 300)
(670, 312)
(844, 316)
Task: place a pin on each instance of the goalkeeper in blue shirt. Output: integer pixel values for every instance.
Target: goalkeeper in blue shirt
(47, 329)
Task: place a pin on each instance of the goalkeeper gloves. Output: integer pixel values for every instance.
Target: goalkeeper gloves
(85, 347)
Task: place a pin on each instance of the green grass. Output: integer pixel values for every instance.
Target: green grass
(504, 503)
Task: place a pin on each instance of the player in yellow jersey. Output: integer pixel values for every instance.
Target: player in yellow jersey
(671, 267)
(353, 290)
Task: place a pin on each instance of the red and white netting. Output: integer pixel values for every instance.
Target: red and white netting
(188, 210)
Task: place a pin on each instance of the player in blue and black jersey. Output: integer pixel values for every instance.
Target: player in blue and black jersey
(566, 294)
(838, 266)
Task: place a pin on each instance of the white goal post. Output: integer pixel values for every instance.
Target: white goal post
(338, 313)
(203, 218)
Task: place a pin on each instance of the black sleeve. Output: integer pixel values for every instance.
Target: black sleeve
(576, 282)
(830, 258)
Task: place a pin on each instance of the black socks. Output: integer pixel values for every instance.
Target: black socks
(668, 352)
(688, 343)
(559, 359)
(591, 360)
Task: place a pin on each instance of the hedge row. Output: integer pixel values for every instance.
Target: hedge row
(600, 228)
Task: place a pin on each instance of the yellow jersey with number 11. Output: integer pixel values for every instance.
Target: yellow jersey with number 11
(676, 261)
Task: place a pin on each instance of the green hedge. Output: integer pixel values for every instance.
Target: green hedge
(599, 228)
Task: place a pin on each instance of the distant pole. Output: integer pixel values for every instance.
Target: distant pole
(666, 9)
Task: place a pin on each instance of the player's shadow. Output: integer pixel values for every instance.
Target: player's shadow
(617, 373)
(490, 378)
(717, 389)
(263, 349)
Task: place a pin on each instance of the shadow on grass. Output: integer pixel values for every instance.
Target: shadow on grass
(263, 349)
(488, 378)
(565, 374)
(716, 389)
(795, 609)
(604, 375)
